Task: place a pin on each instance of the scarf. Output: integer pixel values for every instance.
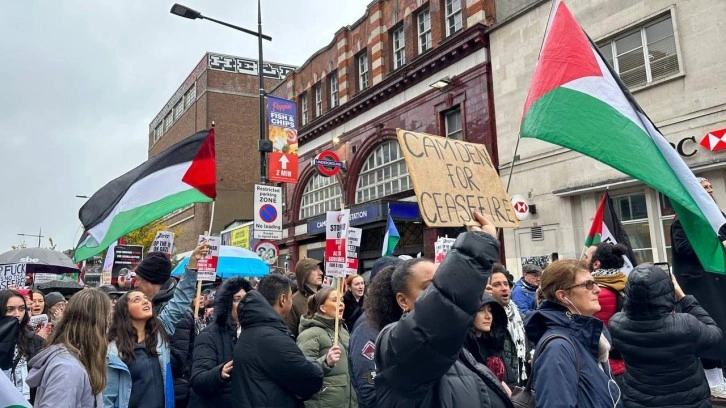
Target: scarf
(611, 278)
(516, 331)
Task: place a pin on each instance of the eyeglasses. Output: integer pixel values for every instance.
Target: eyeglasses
(588, 284)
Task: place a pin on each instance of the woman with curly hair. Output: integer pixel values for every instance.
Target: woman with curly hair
(71, 370)
(214, 348)
(139, 360)
(18, 342)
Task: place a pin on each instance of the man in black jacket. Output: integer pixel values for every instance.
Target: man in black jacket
(269, 369)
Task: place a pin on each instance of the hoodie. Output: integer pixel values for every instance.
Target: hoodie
(61, 380)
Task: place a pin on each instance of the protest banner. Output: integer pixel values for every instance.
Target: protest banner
(453, 178)
(38, 321)
(353, 243)
(164, 242)
(441, 248)
(336, 251)
(125, 257)
(207, 266)
(12, 275)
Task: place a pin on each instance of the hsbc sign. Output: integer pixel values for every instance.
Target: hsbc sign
(688, 146)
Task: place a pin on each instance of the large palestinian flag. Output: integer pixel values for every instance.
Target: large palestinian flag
(576, 101)
(183, 174)
(606, 227)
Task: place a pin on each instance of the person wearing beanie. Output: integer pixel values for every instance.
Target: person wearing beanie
(56, 303)
(309, 281)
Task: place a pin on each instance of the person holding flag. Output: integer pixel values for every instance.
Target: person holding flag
(708, 288)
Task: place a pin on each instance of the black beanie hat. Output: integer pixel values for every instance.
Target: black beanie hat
(155, 268)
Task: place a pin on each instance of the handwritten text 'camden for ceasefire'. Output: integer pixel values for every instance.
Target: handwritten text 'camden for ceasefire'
(452, 178)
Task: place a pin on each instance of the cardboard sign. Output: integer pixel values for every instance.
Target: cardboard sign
(164, 242)
(336, 251)
(441, 248)
(453, 178)
(207, 266)
(12, 275)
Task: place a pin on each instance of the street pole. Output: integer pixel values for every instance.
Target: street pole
(263, 161)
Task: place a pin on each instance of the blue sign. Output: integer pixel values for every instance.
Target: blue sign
(372, 212)
(268, 213)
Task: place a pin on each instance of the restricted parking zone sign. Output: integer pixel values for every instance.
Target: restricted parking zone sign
(268, 212)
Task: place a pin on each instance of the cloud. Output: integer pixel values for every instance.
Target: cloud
(81, 81)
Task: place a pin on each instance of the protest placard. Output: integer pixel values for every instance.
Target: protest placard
(453, 178)
(441, 248)
(164, 242)
(38, 321)
(353, 244)
(336, 251)
(125, 258)
(12, 275)
(207, 266)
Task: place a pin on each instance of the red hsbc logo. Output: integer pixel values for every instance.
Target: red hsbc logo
(715, 141)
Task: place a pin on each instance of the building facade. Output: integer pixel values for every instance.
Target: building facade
(669, 54)
(374, 77)
(221, 90)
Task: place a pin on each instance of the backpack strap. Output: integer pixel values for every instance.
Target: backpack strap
(539, 350)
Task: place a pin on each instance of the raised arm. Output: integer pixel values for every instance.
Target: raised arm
(424, 344)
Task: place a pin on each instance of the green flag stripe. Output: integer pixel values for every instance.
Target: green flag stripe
(131, 220)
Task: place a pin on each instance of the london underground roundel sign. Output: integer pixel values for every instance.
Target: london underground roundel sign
(327, 163)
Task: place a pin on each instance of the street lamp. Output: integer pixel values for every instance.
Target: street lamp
(39, 236)
(264, 146)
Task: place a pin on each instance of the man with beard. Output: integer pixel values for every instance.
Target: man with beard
(515, 343)
(708, 289)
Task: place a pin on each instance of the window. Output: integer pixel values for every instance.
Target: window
(453, 16)
(452, 123)
(191, 96)
(333, 90)
(304, 109)
(168, 121)
(362, 71)
(633, 213)
(178, 109)
(424, 30)
(321, 194)
(318, 100)
(644, 55)
(158, 132)
(399, 48)
(384, 173)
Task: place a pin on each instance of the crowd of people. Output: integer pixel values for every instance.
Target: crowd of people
(580, 333)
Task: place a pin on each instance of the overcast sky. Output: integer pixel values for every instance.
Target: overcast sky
(82, 80)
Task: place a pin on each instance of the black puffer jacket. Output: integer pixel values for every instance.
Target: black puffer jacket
(181, 345)
(269, 369)
(213, 348)
(353, 309)
(661, 348)
(420, 359)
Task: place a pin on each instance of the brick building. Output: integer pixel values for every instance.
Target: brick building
(222, 89)
(375, 76)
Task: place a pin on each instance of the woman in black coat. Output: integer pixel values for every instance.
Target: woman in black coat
(661, 349)
(421, 359)
(214, 348)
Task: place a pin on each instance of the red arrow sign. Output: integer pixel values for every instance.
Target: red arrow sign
(283, 167)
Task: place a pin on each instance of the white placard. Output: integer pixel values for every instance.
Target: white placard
(336, 251)
(164, 242)
(207, 266)
(268, 212)
(12, 275)
(441, 248)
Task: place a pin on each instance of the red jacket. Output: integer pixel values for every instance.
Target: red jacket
(608, 299)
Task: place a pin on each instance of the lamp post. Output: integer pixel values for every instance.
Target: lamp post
(39, 236)
(264, 146)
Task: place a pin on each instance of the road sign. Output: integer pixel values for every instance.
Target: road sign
(283, 160)
(521, 208)
(268, 251)
(268, 205)
(327, 163)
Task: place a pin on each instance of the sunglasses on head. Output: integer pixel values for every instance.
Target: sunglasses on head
(588, 284)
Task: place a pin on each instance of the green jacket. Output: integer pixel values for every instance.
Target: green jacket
(315, 339)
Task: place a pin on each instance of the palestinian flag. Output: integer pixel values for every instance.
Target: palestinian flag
(183, 174)
(606, 227)
(576, 101)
